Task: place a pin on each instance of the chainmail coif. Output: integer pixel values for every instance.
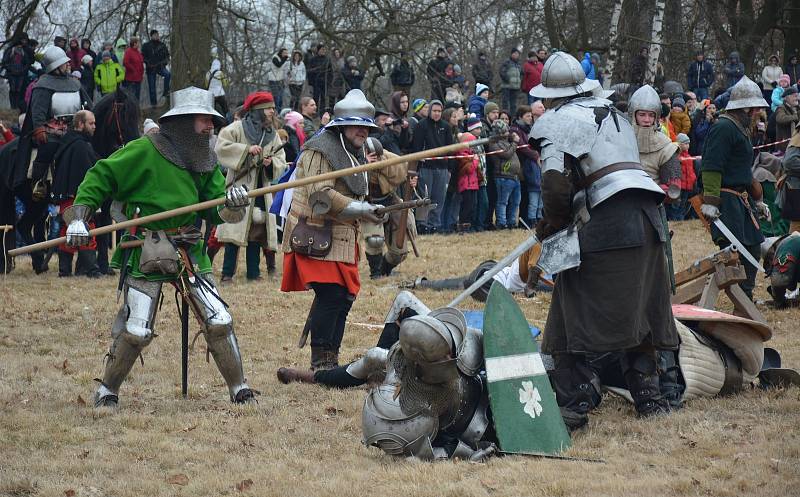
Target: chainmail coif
(179, 144)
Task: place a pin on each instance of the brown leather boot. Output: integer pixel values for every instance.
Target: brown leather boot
(323, 359)
(269, 255)
(289, 375)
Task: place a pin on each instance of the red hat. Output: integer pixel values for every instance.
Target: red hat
(258, 98)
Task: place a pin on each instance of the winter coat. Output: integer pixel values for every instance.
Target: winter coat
(17, 60)
(588, 67)
(511, 75)
(734, 70)
(638, 70)
(700, 75)
(680, 122)
(531, 74)
(319, 71)
(430, 134)
(467, 171)
(87, 80)
(75, 57)
(214, 76)
(700, 128)
(688, 175)
(785, 120)
(402, 74)
(134, 65)
(108, 76)
(793, 70)
(475, 105)
(482, 72)
(232, 152)
(276, 69)
(770, 76)
(297, 73)
(353, 76)
(528, 158)
(777, 98)
(505, 162)
(156, 55)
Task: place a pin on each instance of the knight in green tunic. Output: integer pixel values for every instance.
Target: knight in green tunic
(728, 190)
(153, 174)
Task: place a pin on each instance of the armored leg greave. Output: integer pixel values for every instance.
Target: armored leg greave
(641, 374)
(219, 335)
(577, 389)
(132, 332)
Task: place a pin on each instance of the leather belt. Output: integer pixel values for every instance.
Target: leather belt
(744, 197)
(611, 168)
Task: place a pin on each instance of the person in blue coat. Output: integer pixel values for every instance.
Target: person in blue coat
(588, 67)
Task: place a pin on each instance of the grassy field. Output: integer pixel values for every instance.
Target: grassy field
(302, 440)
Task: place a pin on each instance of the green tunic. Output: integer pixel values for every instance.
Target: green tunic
(727, 162)
(140, 176)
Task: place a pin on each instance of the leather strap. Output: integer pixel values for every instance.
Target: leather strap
(612, 168)
(743, 196)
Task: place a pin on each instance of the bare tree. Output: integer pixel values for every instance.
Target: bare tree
(191, 41)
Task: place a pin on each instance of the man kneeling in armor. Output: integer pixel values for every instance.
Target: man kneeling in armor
(152, 174)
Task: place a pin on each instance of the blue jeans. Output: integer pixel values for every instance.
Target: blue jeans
(508, 198)
(481, 210)
(510, 100)
(151, 83)
(436, 180)
(534, 207)
(702, 93)
(452, 206)
(276, 88)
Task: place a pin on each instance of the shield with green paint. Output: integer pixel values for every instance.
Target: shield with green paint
(526, 416)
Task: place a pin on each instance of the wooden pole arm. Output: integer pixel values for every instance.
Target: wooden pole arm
(258, 192)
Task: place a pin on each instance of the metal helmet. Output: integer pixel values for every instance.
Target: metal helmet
(645, 98)
(455, 322)
(193, 100)
(673, 88)
(354, 110)
(746, 95)
(563, 76)
(53, 58)
(426, 339)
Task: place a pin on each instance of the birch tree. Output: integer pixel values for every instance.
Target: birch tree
(656, 35)
(613, 38)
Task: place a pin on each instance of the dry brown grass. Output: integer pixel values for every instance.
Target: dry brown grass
(302, 440)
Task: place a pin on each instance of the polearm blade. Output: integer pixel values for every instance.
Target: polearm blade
(502, 264)
(736, 243)
(257, 192)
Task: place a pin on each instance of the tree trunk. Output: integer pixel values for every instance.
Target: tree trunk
(550, 24)
(655, 40)
(190, 42)
(613, 35)
(791, 31)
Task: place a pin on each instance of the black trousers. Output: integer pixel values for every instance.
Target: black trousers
(329, 315)
(31, 227)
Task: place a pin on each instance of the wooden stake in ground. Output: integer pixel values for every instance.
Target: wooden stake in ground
(259, 192)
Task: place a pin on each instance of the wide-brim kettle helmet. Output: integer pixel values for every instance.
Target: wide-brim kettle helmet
(563, 76)
(54, 57)
(353, 110)
(746, 95)
(645, 98)
(193, 100)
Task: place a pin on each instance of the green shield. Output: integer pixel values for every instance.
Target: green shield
(526, 416)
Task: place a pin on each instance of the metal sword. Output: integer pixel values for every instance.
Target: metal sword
(736, 243)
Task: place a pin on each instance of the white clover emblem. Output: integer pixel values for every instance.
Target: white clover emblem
(530, 398)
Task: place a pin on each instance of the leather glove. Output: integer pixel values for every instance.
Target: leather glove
(711, 212)
(763, 211)
(39, 135)
(364, 211)
(78, 233)
(236, 198)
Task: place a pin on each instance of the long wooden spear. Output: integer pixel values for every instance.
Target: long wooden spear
(425, 154)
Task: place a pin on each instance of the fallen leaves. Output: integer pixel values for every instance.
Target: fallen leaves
(244, 485)
(80, 401)
(332, 411)
(178, 479)
(69, 493)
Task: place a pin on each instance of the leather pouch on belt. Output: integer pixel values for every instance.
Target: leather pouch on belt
(158, 254)
(312, 240)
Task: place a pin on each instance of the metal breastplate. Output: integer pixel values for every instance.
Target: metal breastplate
(65, 103)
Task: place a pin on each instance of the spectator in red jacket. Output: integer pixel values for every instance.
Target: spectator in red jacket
(134, 67)
(677, 211)
(75, 54)
(531, 74)
(5, 134)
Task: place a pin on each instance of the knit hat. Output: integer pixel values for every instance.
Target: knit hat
(480, 88)
(473, 123)
(785, 79)
(106, 54)
(436, 102)
(500, 127)
(418, 104)
(86, 59)
(678, 102)
(683, 138)
(76, 74)
(149, 125)
(489, 107)
(792, 90)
